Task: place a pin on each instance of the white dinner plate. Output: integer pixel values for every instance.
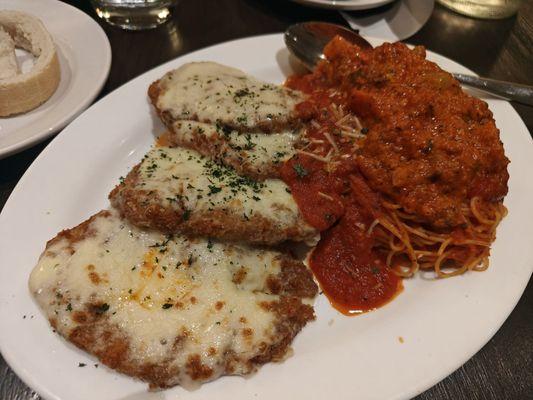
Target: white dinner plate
(395, 352)
(347, 5)
(84, 57)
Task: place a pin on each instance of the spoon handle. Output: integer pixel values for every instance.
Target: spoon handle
(508, 90)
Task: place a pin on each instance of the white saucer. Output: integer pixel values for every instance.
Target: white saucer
(344, 4)
(85, 58)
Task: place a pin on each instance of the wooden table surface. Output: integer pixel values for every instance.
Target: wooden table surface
(502, 49)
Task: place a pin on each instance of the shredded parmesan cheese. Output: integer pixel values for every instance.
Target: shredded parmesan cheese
(358, 124)
(324, 195)
(346, 132)
(313, 155)
(331, 141)
(315, 124)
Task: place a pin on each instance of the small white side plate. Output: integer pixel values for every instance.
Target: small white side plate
(84, 57)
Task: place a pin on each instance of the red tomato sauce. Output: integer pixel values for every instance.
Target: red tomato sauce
(353, 276)
(420, 142)
(335, 200)
(386, 124)
(307, 178)
(430, 146)
(351, 273)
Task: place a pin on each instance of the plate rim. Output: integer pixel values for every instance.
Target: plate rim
(42, 134)
(27, 379)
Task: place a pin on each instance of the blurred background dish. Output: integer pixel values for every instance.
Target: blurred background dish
(396, 21)
(134, 14)
(344, 4)
(84, 68)
(486, 9)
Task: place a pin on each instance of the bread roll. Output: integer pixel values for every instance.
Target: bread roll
(8, 60)
(23, 92)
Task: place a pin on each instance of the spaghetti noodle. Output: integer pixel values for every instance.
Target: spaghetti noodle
(448, 254)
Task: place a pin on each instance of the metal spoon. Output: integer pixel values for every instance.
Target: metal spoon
(306, 42)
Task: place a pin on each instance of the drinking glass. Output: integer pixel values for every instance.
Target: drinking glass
(134, 14)
(491, 9)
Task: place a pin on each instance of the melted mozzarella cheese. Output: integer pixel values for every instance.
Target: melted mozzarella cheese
(158, 288)
(183, 178)
(259, 151)
(211, 92)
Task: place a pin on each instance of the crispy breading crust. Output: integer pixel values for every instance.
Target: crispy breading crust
(111, 346)
(145, 210)
(217, 148)
(77, 234)
(267, 126)
(109, 343)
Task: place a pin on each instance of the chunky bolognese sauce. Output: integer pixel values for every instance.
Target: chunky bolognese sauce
(401, 170)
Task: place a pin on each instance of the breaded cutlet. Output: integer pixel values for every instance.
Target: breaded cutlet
(167, 309)
(177, 190)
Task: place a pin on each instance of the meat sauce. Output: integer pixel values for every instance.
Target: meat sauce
(423, 144)
(430, 147)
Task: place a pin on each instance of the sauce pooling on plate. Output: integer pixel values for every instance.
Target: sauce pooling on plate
(352, 274)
